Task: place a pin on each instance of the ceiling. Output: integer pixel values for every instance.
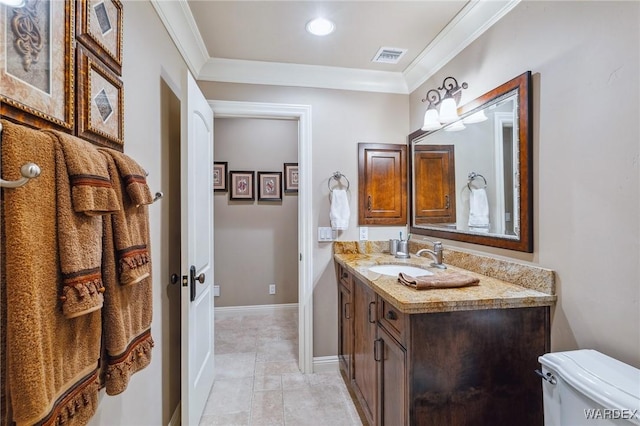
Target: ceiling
(265, 42)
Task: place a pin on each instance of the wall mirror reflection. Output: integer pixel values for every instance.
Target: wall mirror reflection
(471, 180)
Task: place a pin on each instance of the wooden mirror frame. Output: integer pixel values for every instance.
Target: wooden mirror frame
(522, 84)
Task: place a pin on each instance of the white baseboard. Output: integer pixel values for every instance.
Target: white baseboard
(175, 418)
(254, 309)
(325, 364)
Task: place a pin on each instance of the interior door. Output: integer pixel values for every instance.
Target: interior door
(196, 252)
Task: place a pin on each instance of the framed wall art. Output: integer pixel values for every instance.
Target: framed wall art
(99, 28)
(37, 63)
(290, 177)
(241, 186)
(220, 176)
(269, 186)
(100, 102)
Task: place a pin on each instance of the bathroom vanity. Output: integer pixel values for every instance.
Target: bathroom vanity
(463, 356)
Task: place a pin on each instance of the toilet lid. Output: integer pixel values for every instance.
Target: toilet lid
(609, 382)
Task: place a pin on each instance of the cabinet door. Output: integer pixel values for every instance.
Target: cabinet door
(382, 182)
(434, 193)
(391, 357)
(364, 364)
(345, 330)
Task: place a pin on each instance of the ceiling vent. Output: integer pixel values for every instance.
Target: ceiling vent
(389, 55)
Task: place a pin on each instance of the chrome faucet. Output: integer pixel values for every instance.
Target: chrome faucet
(436, 255)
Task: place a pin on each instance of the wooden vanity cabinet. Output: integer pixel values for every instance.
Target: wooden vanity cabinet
(446, 368)
(345, 324)
(365, 377)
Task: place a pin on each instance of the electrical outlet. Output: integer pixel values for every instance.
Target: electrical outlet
(216, 290)
(364, 233)
(272, 289)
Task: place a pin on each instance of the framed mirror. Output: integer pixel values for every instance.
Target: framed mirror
(472, 179)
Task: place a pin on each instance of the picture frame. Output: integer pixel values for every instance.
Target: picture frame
(269, 186)
(37, 78)
(99, 28)
(220, 181)
(241, 185)
(291, 177)
(100, 102)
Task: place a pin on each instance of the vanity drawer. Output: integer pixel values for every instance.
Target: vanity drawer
(344, 276)
(394, 321)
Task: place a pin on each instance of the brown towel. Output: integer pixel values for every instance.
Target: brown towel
(127, 311)
(79, 225)
(131, 222)
(52, 361)
(91, 191)
(134, 177)
(443, 280)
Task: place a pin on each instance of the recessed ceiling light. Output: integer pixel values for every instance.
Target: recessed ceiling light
(320, 26)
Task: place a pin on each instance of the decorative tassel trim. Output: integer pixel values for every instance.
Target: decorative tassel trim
(82, 292)
(119, 369)
(80, 400)
(134, 260)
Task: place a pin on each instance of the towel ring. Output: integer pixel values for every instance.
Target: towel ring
(337, 176)
(472, 176)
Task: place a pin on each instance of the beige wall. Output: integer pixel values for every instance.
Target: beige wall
(340, 119)
(151, 136)
(584, 56)
(256, 242)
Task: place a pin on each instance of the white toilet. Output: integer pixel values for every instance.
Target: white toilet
(587, 388)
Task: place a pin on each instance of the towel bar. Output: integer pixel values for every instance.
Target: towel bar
(28, 172)
(337, 176)
(472, 176)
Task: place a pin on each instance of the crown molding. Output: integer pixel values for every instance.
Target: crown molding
(179, 22)
(473, 20)
(299, 75)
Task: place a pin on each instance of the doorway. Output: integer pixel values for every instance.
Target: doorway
(302, 114)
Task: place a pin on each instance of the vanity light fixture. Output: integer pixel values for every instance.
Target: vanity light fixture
(443, 109)
(320, 27)
(476, 117)
(456, 126)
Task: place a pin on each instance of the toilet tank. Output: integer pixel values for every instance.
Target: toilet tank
(586, 387)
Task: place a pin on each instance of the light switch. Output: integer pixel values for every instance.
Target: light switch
(326, 234)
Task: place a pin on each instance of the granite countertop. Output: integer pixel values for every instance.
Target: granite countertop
(491, 293)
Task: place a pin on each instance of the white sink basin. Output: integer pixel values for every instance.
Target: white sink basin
(394, 270)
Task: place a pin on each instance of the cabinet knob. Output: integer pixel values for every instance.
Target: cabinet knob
(369, 203)
(392, 316)
(345, 275)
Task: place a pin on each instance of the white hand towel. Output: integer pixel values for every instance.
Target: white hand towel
(340, 212)
(478, 208)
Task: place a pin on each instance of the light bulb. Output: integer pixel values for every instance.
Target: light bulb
(448, 111)
(431, 120)
(476, 117)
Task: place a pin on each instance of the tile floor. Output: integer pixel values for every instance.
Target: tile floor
(257, 378)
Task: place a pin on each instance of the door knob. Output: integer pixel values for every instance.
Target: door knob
(174, 278)
(200, 278)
